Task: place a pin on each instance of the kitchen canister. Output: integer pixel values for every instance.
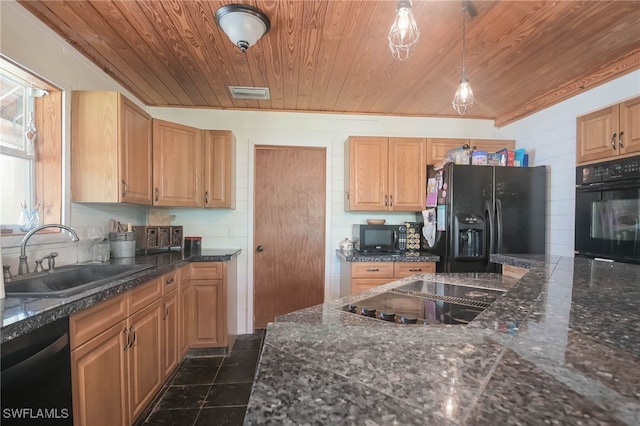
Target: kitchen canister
(479, 158)
(192, 246)
(123, 244)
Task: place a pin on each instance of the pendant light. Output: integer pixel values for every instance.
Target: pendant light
(463, 99)
(243, 24)
(403, 35)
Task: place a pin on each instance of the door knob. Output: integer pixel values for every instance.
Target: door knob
(259, 248)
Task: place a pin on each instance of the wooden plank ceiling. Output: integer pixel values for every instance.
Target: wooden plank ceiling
(332, 56)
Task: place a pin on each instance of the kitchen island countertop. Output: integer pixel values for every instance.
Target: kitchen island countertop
(23, 314)
(561, 345)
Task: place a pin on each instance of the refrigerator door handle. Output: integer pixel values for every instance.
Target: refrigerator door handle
(488, 213)
(498, 226)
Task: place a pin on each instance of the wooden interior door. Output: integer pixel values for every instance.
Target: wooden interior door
(289, 230)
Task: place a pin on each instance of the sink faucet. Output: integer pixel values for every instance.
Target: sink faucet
(23, 267)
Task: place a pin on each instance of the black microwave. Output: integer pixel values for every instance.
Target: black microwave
(380, 238)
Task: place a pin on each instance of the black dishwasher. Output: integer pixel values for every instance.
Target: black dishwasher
(36, 377)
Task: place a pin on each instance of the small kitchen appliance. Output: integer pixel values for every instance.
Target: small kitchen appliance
(380, 238)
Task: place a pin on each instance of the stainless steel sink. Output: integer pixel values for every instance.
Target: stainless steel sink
(68, 280)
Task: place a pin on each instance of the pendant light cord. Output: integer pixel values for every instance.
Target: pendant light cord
(464, 38)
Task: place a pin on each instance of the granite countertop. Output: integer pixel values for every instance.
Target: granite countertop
(23, 314)
(356, 256)
(560, 346)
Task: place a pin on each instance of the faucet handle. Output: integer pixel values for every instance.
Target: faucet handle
(39, 265)
(52, 260)
(6, 273)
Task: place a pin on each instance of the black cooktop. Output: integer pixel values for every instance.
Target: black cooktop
(426, 303)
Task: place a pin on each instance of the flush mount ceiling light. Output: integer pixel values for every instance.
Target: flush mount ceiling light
(463, 99)
(403, 35)
(243, 24)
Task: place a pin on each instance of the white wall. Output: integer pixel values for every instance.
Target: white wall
(550, 137)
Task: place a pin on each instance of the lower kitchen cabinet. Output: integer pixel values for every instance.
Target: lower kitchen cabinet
(117, 370)
(364, 276)
(145, 357)
(209, 304)
(99, 377)
(185, 303)
(171, 350)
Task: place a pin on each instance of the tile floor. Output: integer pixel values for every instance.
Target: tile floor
(208, 390)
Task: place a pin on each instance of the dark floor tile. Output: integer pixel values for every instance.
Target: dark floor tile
(237, 374)
(173, 417)
(247, 359)
(197, 371)
(232, 394)
(248, 342)
(183, 396)
(228, 416)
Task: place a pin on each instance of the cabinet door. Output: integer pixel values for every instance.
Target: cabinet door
(407, 174)
(99, 375)
(437, 148)
(219, 159)
(95, 176)
(492, 145)
(187, 322)
(177, 165)
(595, 135)
(145, 357)
(208, 330)
(630, 126)
(170, 344)
(368, 161)
(135, 154)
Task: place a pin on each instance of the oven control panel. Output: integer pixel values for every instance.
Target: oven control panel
(625, 168)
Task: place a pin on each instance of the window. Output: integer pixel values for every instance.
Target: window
(30, 149)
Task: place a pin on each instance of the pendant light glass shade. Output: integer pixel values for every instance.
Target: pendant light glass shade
(243, 24)
(403, 35)
(463, 99)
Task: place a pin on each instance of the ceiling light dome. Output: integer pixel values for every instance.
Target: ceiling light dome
(243, 24)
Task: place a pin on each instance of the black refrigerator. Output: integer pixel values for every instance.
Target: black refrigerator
(480, 210)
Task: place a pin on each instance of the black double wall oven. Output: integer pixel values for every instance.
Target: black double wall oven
(607, 216)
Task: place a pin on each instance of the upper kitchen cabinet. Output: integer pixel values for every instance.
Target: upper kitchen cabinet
(111, 159)
(385, 174)
(437, 148)
(177, 165)
(608, 133)
(492, 145)
(219, 159)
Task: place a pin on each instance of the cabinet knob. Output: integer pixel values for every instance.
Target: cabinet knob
(206, 197)
(125, 188)
(259, 248)
(157, 194)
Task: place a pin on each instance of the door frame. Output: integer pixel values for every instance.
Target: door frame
(250, 231)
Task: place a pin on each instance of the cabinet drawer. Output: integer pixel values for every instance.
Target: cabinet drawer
(144, 295)
(170, 281)
(363, 284)
(207, 270)
(372, 270)
(86, 324)
(406, 269)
